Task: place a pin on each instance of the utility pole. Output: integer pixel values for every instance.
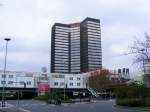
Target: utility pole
(64, 87)
(4, 75)
(64, 79)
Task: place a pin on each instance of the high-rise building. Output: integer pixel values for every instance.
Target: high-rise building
(76, 48)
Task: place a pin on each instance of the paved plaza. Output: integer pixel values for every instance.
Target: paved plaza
(37, 106)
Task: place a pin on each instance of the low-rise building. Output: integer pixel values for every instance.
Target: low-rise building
(27, 83)
(71, 84)
(39, 82)
(58, 80)
(17, 79)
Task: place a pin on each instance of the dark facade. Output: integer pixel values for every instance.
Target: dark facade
(76, 48)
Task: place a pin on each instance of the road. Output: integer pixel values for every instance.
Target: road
(97, 106)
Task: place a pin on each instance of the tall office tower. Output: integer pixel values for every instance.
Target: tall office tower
(91, 55)
(60, 48)
(76, 48)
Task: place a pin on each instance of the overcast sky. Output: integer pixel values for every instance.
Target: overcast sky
(28, 23)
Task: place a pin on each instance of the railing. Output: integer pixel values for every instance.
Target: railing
(93, 92)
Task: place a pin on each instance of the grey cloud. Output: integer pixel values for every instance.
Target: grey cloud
(29, 23)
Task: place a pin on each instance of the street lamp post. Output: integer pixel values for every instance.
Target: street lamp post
(64, 87)
(18, 93)
(4, 75)
(64, 81)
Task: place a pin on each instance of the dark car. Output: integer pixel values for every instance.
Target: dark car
(86, 100)
(56, 102)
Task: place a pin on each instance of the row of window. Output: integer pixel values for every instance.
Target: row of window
(67, 32)
(95, 48)
(75, 71)
(62, 46)
(61, 32)
(60, 53)
(75, 42)
(75, 45)
(94, 31)
(94, 39)
(4, 76)
(61, 71)
(61, 43)
(78, 78)
(93, 52)
(94, 36)
(61, 57)
(93, 22)
(97, 60)
(63, 28)
(62, 84)
(92, 58)
(75, 65)
(75, 38)
(76, 68)
(94, 45)
(75, 29)
(93, 28)
(75, 61)
(61, 68)
(58, 35)
(94, 55)
(61, 64)
(93, 25)
(11, 82)
(74, 35)
(71, 78)
(61, 38)
(94, 64)
(75, 52)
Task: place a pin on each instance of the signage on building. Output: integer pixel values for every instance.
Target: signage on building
(29, 74)
(75, 93)
(58, 76)
(44, 74)
(19, 75)
(104, 71)
(44, 88)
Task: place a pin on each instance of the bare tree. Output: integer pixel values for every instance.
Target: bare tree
(141, 49)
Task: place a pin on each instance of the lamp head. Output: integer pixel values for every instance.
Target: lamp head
(7, 39)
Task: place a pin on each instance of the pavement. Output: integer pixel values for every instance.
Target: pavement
(38, 106)
(11, 108)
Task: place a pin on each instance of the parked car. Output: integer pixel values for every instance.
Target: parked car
(86, 100)
(52, 101)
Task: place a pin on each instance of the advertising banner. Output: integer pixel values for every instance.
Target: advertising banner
(44, 88)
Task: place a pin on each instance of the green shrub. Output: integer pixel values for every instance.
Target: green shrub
(45, 97)
(133, 91)
(130, 102)
(61, 96)
(50, 96)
